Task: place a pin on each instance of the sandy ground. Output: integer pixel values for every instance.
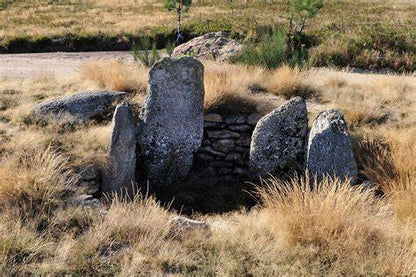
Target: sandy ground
(57, 64)
(64, 64)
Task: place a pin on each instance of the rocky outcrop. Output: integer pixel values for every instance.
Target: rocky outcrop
(214, 45)
(329, 148)
(170, 127)
(278, 141)
(119, 177)
(77, 108)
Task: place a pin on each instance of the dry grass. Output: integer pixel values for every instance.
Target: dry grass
(115, 75)
(331, 229)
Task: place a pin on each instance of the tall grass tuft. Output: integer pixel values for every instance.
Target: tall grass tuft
(338, 229)
(145, 52)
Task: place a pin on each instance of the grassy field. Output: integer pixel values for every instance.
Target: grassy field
(363, 33)
(332, 230)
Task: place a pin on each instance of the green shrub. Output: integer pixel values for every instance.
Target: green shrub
(270, 52)
(145, 52)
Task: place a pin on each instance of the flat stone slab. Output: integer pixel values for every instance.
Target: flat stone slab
(170, 128)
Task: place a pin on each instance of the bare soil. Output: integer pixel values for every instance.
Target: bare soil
(57, 64)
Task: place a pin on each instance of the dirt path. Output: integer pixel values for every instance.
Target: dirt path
(65, 64)
(57, 64)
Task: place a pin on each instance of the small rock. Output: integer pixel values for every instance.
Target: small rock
(179, 225)
(204, 157)
(253, 119)
(208, 150)
(235, 119)
(240, 149)
(224, 170)
(213, 117)
(240, 128)
(233, 157)
(220, 164)
(214, 125)
(223, 134)
(86, 200)
(224, 145)
(88, 173)
(240, 171)
(244, 141)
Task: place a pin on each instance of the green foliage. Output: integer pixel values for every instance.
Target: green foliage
(270, 52)
(169, 48)
(145, 52)
(173, 4)
(301, 9)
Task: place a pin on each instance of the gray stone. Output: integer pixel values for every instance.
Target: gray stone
(329, 148)
(233, 157)
(225, 170)
(215, 46)
(223, 134)
(77, 108)
(170, 128)
(210, 151)
(204, 157)
(253, 118)
(240, 171)
(90, 201)
(179, 225)
(213, 117)
(88, 173)
(119, 177)
(278, 141)
(235, 119)
(224, 145)
(240, 128)
(214, 125)
(221, 164)
(240, 149)
(244, 141)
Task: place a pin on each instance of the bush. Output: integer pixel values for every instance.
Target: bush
(145, 52)
(270, 52)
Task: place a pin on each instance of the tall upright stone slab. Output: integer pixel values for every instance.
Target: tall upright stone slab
(278, 142)
(119, 177)
(329, 150)
(170, 127)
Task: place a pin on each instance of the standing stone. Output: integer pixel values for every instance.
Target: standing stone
(329, 148)
(119, 177)
(170, 127)
(278, 141)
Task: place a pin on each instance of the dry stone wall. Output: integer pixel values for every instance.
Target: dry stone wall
(226, 144)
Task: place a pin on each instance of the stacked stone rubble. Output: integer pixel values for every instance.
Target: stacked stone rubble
(226, 144)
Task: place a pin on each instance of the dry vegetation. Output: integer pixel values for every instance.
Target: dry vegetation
(333, 229)
(370, 34)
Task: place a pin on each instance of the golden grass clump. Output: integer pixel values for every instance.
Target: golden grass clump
(337, 229)
(34, 177)
(388, 161)
(115, 75)
(288, 82)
